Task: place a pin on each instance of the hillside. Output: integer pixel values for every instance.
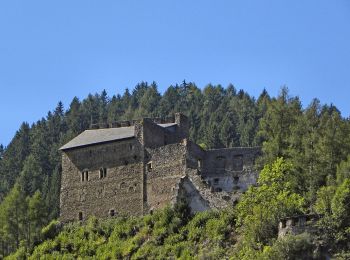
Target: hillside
(312, 177)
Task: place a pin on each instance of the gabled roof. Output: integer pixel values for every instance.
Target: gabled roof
(95, 136)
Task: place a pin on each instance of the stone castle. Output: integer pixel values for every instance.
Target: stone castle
(135, 167)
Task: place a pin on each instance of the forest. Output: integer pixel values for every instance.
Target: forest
(304, 169)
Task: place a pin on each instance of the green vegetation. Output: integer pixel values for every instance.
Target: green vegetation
(312, 177)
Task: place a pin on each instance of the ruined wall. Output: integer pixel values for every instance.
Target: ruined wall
(119, 190)
(164, 168)
(153, 134)
(195, 156)
(230, 169)
(297, 225)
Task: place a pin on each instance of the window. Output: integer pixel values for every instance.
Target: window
(85, 175)
(199, 163)
(218, 190)
(235, 179)
(112, 212)
(220, 161)
(238, 162)
(216, 181)
(126, 163)
(149, 167)
(103, 173)
(131, 147)
(80, 216)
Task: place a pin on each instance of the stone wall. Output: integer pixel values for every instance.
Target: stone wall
(164, 168)
(120, 189)
(230, 169)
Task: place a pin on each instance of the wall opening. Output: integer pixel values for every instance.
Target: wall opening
(80, 216)
(112, 212)
(131, 147)
(84, 175)
(216, 181)
(238, 162)
(149, 166)
(220, 162)
(218, 190)
(199, 164)
(235, 179)
(103, 173)
(126, 163)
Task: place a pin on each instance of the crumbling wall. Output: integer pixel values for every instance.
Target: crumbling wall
(119, 190)
(230, 169)
(164, 167)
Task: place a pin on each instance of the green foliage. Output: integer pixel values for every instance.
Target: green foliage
(261, 207)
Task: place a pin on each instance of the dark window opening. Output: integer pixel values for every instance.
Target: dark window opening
(80, 216)
(218, 190)
(283, 223)
(103, 173)
(235, 179)
(112, 212)
(85, 175)
(131, 189)
(216, 181)
(126, 163)
(131, 147)
(135, 157)
(149, 166)
(90, 153)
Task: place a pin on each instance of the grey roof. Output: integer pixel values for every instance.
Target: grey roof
(95, 136)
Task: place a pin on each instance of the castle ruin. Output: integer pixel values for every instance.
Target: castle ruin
(135, 167)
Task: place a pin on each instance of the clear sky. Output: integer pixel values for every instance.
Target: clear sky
(55, 50)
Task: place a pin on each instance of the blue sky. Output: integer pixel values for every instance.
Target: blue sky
(55, 50)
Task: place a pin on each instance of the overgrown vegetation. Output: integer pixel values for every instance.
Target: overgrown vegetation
(312, 177)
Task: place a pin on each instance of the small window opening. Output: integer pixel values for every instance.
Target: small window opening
(85, 175)
(80, 216)
(112, 212)
(283, 223)
(199, 163)
(216, 181)
(131, 189)
(90, 152)
(149, 167)
(131, 147)
(218, 190)
(126, 163)
(103, 173)
(135, 157)
(235, 179)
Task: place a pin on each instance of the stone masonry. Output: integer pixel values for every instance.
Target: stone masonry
(135, 167)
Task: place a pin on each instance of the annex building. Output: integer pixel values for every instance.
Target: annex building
(135, 167)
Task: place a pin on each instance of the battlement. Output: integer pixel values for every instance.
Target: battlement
(125, 123)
